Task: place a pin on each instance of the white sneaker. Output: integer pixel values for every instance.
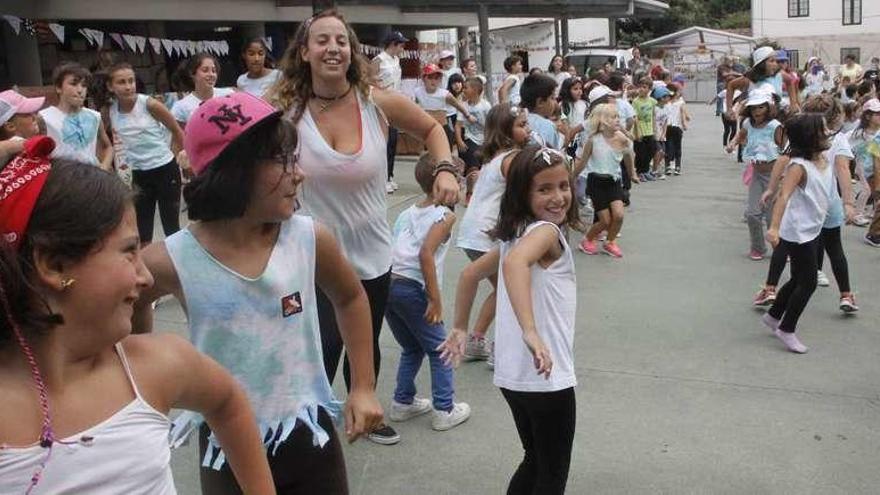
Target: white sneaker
(394, 184)
(443, 420)
(403, 412)
(389, 187)
(861, 221)
(822, 279)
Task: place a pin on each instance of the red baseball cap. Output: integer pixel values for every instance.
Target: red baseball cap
(220, 121)
(430, 69)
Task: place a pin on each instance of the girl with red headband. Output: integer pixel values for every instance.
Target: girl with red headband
(70, 272)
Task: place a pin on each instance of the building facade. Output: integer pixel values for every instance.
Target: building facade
(828, 29)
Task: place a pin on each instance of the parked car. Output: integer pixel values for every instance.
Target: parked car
(595, 58)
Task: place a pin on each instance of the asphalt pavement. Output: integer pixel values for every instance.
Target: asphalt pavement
(681, 389)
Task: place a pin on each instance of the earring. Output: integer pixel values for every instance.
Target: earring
(66, 283)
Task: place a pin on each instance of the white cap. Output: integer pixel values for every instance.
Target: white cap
(761, 53)
(872, 105)
(446, 54)
(599, 92)
(759, 98)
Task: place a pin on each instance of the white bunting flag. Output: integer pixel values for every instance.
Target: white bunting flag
(191, 46)
(57, 30)
(268, 41)
(141, 43)
(14, 23)
(129, 40)
(168, 45)
(117, 38)
(87, 34)
(157, 46)
(224, 47)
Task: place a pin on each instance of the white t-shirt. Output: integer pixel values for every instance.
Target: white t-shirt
(474, 131)
(625, 111)
(482, 212)
(431, 101)
(389, 71)
(808, 205)
(674, 112)
(554, 304)
(661, 120)
(258, 86)
(410, 231)
(183, 108)
(75, 134)
(513, 94)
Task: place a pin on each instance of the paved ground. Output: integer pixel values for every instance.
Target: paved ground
(682, 390)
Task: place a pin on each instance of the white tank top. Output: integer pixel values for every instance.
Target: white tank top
(482, 212)
(75, 134)
(144, 139)
(604, 159)
(807, 207)
(127, 453)
(346, 192)
(554, 301)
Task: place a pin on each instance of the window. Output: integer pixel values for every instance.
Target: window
(798, 8)
(794, 58)
(852, 12)
(855, 52)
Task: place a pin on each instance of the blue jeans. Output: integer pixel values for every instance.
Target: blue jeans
(405, 314)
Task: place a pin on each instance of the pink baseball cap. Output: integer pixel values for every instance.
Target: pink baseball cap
(11, 103)
(218, 122)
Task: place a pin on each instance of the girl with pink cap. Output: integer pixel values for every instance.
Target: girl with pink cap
(246, 271)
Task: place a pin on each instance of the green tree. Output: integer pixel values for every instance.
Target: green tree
(723, 14)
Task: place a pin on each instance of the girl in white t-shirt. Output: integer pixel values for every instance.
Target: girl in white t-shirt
(200, 75)
(537, 297)
(507, 131)
(798, 216)
(260, 75)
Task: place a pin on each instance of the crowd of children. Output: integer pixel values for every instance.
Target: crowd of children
(275, 290)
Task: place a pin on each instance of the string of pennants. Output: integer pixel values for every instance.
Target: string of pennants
(135, 43)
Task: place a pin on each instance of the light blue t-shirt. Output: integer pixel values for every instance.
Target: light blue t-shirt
(839, 147)
(544, 131)
(760, 143)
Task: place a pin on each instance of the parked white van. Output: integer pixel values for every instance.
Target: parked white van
(594, 58)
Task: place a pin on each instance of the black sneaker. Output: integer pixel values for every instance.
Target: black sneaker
(384, 435)
(872, 240)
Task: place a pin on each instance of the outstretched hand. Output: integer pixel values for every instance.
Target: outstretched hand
(452, 349)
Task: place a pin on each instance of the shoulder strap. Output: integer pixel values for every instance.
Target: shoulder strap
(121, 352)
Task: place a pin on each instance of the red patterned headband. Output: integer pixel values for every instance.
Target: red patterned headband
(21, 182)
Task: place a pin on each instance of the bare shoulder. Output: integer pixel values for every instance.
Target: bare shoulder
(158, 360)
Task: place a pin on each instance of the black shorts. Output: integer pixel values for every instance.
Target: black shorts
(603, 190)
(470, 156)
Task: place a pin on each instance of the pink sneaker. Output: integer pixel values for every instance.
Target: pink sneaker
(612, 249)
(791, 341)
(588, 246)
(765, 297)
(755, 255)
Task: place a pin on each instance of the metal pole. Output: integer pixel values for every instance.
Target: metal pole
(565, 41)
(486, 50)
(555, 35)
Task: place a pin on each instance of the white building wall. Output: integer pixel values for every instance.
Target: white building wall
(822, 33)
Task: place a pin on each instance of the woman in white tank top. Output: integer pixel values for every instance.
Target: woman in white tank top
(343, 126)
(107, 433)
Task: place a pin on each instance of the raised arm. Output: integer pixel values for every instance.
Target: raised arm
(403, 114)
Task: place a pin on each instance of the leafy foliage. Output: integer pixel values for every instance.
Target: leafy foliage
(721, 14)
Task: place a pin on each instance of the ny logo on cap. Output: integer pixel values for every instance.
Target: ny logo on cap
(228, 115)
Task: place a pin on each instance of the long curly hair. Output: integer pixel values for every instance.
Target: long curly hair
(293, 90)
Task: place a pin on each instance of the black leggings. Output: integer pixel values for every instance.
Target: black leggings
(545, 422)
(729, 130)
(792, 298)
(828, 242)
(160, 185)
(674, 136)
(391, 150)
(298, 466)
(331, 340)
